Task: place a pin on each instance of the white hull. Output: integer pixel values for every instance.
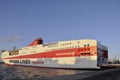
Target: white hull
(70, 62)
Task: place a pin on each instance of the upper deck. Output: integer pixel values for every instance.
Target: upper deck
(84, 45)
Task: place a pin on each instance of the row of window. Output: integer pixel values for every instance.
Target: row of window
(81, 49)
(52, 46)
(65, 45)
(85, 54)
(56, 45)
(86, 45)
(64, 48)
(84, 49)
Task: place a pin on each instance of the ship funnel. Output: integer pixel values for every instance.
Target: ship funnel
(37, 41)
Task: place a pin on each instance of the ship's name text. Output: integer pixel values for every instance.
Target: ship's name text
(20, 61)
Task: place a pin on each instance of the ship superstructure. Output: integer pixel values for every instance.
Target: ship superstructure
(86, 53)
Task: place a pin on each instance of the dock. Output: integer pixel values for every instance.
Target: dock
(109, 66)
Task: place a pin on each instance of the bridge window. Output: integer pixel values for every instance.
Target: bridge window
(84, 45)
(85, 54)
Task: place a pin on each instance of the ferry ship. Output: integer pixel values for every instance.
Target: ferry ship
(71, 54)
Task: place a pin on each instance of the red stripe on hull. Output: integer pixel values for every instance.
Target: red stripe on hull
(87, 51)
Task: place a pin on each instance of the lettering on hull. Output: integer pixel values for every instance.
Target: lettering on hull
(37, 62)
(20, 61)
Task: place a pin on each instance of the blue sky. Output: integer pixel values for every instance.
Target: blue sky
(21, 21)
